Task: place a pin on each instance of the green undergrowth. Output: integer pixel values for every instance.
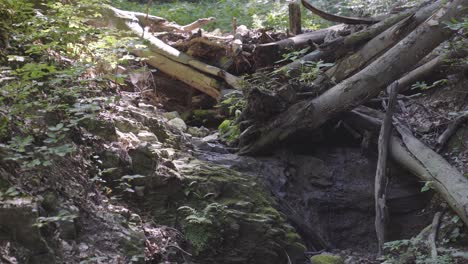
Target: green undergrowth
(252, 13)
(55, 72)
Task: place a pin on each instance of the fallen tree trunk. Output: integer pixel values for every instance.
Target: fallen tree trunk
(380, 44)
(169, 60)
(360, 87)
(334, 50)
(420, 160)
(432, 167)
(429, 68)
(266, 54)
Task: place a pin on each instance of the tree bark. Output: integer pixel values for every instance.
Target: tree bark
(360, 87)
(420, 160)
(380, 44)
(266, 54)
(295, 26)
(334, 50)
(381, 173)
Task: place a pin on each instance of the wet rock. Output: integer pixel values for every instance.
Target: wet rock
(171, 115)
(144, 159)
(158, 128)
(110, 158)
(211, 138)
(100, 127)
(198, 131)
(126, 125)
(147, 136)
(326, 259)
(178, 123)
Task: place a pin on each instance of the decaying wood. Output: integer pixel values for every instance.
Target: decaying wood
(338, 19)
(266, 54)
(429, 68)
(188, 75)
(433, 236)
(334, 50)
(419, 159)
(381, 173)
(379, 44)
(295, 26)
(430, 166)
(358, 88)
(169, 60)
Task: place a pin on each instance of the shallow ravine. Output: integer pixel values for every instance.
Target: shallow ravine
(327, 194)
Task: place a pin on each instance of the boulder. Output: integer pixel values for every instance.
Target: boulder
(178, 123)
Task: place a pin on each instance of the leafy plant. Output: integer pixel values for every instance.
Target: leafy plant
(201, 225)
(63, 215)
(9, 193)
(58, 66)
(424, 86)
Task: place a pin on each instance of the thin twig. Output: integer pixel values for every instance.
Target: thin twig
(183, 251)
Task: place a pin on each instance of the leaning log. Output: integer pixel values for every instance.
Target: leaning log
(360, 87)
(381, 179)
(420, 160)
(430, 166)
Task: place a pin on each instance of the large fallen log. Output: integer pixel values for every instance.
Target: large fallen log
(380, 44)
(360, 87)
(334, 50)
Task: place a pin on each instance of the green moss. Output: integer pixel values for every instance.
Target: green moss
(293, 236)
(326, 259)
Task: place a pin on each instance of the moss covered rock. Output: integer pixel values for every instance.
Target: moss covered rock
(226, 216)
(326, 259)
